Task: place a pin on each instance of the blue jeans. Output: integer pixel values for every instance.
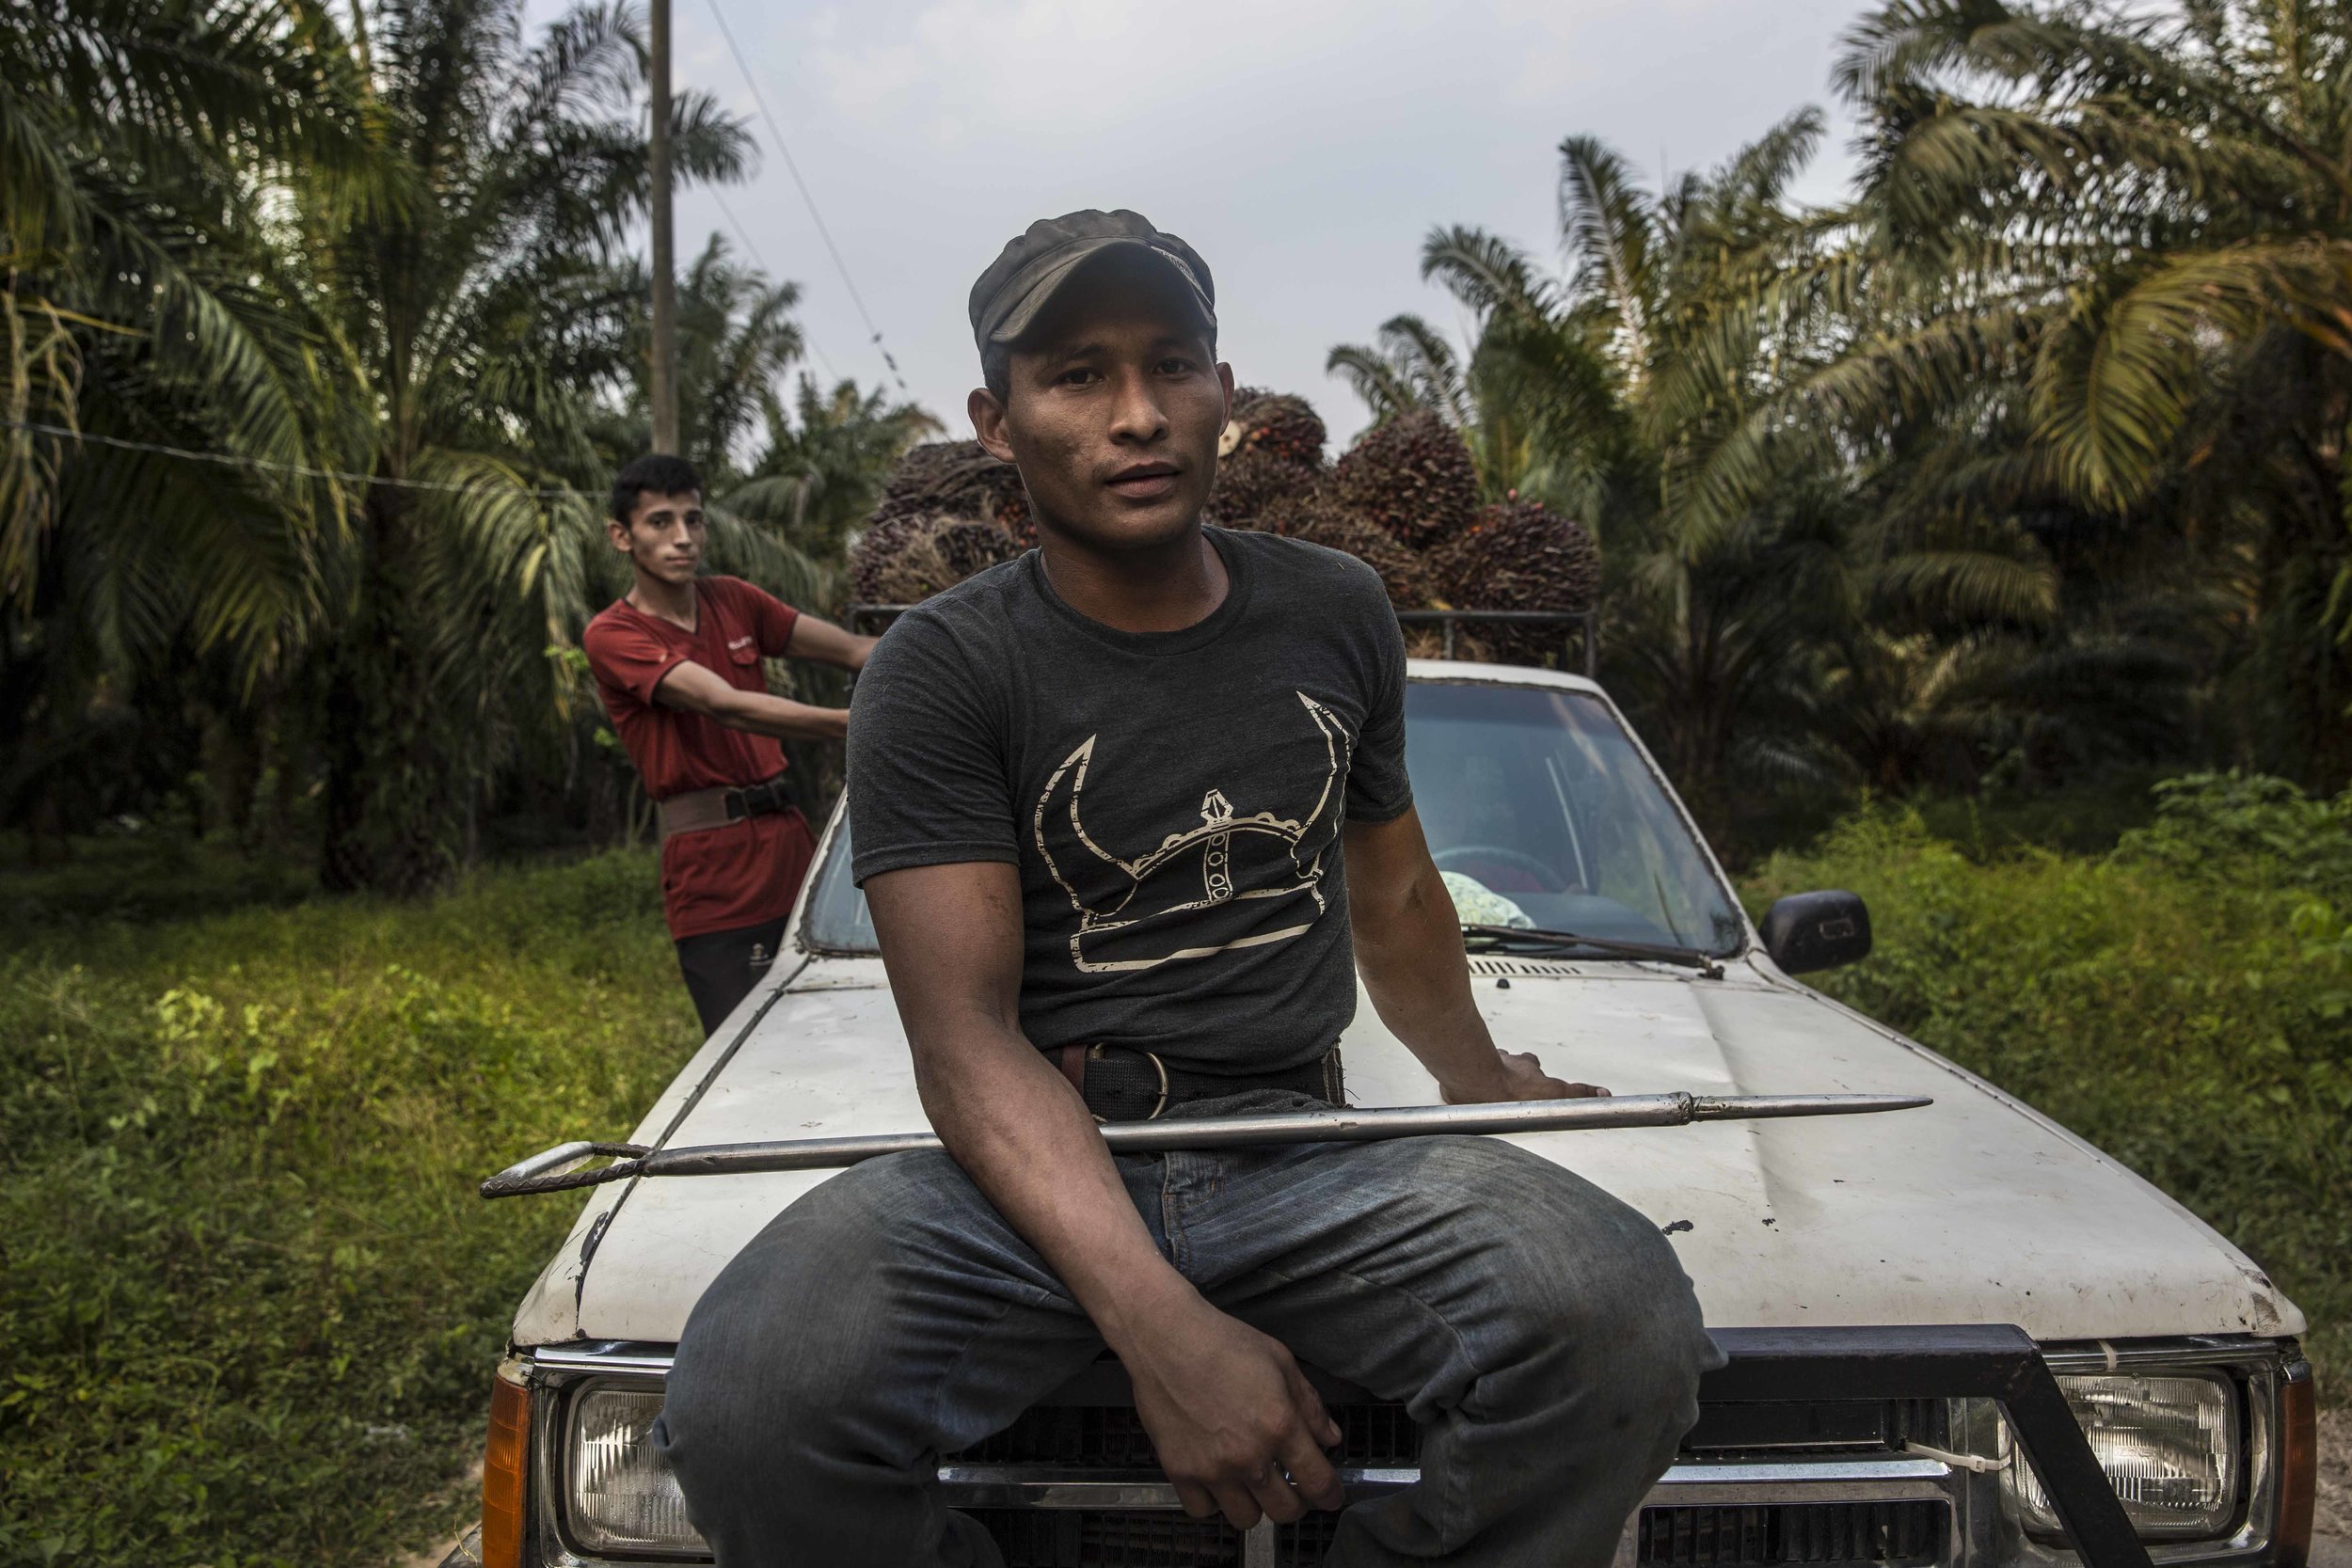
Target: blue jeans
(1540, 1332)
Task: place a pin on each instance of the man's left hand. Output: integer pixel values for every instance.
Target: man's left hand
(1517, 1075)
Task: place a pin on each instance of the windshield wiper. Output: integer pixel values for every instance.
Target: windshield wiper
(1534, 940)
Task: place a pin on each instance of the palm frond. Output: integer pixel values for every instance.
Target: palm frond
(1385, 387)
(2117, 375)
(1605, 223)
(1486, 273)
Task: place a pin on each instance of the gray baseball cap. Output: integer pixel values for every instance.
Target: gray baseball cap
(1030, 270)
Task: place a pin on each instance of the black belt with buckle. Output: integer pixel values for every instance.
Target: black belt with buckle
(764, 799)
(1121, 1084)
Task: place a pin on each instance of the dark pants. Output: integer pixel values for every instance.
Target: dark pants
(721, 967)
(1541, 1332)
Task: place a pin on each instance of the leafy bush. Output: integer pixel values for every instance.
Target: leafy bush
(149, 875)
(249, 1297)
(2181, 1000)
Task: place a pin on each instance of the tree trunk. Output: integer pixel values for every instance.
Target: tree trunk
(2301, 660)
(230, 745)
(391, 808)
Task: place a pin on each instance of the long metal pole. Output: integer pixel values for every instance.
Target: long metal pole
(663, 383)
(553, 1171)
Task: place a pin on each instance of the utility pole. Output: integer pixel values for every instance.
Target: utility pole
(663, 383)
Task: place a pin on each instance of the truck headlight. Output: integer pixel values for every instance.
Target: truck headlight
(618, 1495)
(2170, 1446)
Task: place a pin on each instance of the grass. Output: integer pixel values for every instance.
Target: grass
(251, 1303)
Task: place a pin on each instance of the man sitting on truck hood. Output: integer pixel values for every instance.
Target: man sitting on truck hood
(1130, 812)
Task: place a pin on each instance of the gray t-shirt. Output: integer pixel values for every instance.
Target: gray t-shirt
(1172, 800)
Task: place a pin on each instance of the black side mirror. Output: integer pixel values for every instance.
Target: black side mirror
(1807, 931)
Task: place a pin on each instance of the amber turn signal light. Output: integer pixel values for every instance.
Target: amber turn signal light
(2298, 1469)
(506, 1466)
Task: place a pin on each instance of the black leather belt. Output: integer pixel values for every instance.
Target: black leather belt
(1120, 1083)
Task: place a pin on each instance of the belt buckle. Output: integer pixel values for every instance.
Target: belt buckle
(1094, 1054)
(749, 801)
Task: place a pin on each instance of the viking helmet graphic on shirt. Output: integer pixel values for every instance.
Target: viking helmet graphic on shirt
(1230, 878)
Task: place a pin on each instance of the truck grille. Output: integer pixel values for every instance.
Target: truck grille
(1034, 1540)
(1820, 1535)
(1729, 1430)
(1076, 1438)
(1111, 1437)
(1894, 1534)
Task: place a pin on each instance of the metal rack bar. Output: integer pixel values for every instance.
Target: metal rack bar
(1585, 621)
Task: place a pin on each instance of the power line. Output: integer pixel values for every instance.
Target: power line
(761, 262)
(776, 133)
(299, 470)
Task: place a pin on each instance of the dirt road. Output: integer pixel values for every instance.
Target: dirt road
(2331, 1546)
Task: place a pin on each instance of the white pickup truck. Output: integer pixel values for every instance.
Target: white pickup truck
(1957, 1336)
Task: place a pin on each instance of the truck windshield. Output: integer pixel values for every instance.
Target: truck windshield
(1537, 807)
(1542, 813)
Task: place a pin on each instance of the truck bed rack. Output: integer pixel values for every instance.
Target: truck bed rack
(1584, 645)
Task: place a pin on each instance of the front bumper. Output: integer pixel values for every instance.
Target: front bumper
(1829, 1448)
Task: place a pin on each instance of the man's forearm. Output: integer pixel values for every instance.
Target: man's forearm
(1408, 948)
(1028, 1142)
(781, 716)
(826, 643)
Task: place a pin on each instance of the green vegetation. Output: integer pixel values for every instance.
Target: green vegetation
(250, 1299)
(321, 335)
(2019, 463)
(2022, 460)
(2184, 1000)
(2011, 481)
(251, 1302)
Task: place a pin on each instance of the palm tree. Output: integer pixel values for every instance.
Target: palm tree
(140, 286)
(737, 337)
(1612, 393)
(2127, 236)
(147, 301)
(821, 468)
(480, 315)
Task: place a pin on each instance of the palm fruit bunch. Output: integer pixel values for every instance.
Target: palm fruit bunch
(1322, 521)
(1404, 500)
(1272, 449)
(1251, 481)
(959, 479)
(907, 558)
(1275, 424)
(1520, 555)
(1413, 477)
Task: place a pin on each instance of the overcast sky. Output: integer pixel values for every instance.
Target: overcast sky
(1303, 147)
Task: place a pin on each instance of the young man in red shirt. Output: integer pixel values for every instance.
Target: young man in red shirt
(678, 664)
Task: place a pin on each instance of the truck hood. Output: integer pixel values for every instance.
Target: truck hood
(1975, 1209)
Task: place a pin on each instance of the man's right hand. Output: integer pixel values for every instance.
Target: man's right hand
(1514, 1075)
(1237, 1426)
